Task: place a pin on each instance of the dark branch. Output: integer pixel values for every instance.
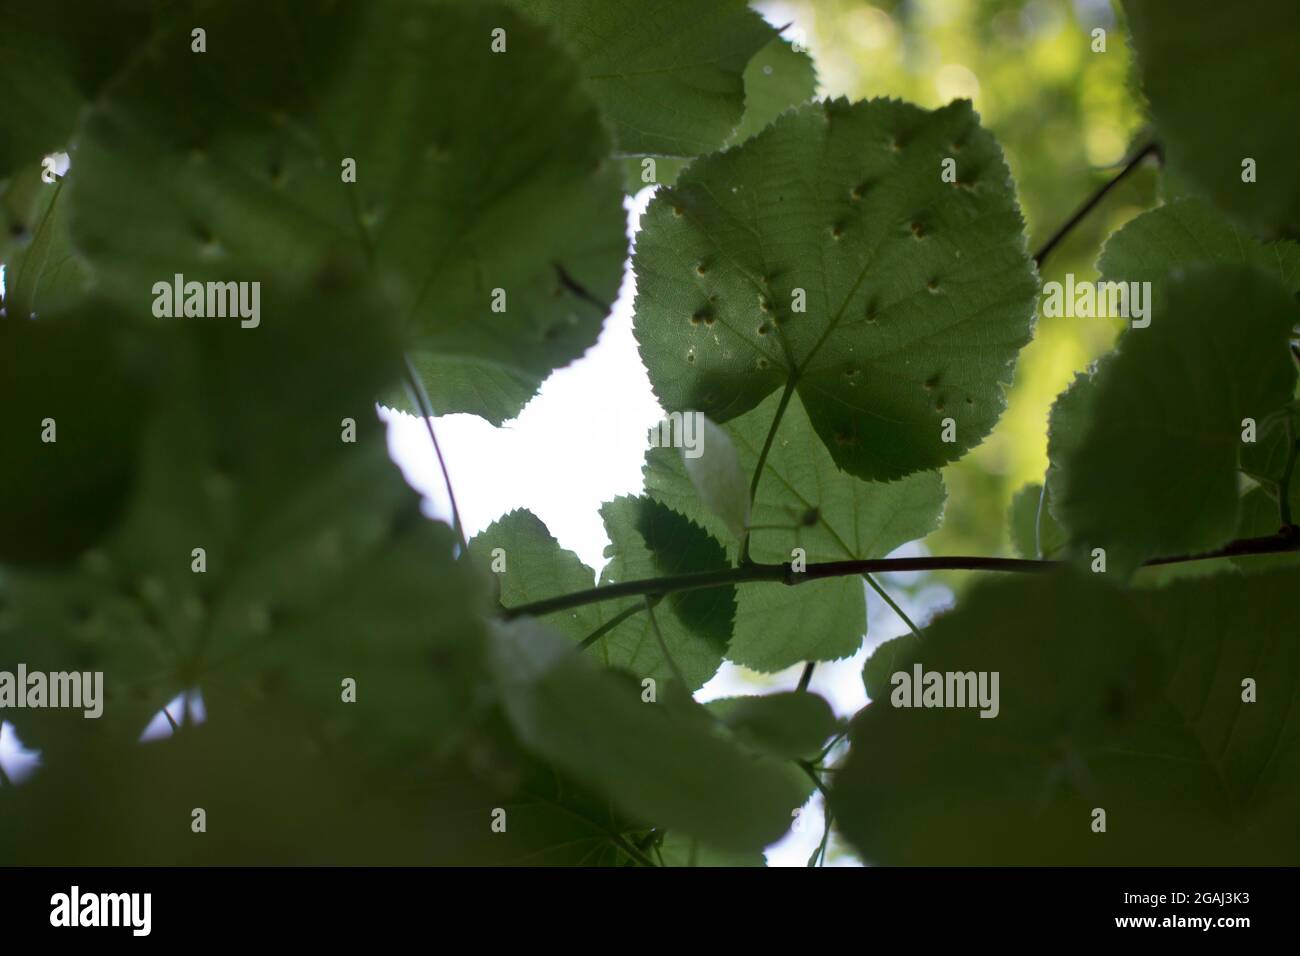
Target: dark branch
(1147, 150)
(1287, 539)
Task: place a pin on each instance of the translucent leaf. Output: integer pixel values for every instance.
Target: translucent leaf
(716, 474)
(1034, 532)
(829, 251)
(804, 501)
(776, 79)
(42, 271)
(649, 541)
(669, 80)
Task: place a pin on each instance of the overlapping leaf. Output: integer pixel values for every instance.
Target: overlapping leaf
(670, 79)
(804, 501)
(1034, 531)
(1221, 85)
(663, 763)
(916, 292)
(1128, 703)
(1154, 469)
(649, 540)
(476, 171)
(42, 270)
(1184, 233)
(55, 56)
(315, 567)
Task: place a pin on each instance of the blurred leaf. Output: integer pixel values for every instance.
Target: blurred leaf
(55, 56)
(42, 272)
(793, 724)
(1127, 702)
(475, 172)
(70, 379)
(918, 292)
(651, 761)
(1154, 471)
(1185, 233)
(1221, 81)
(317, 565)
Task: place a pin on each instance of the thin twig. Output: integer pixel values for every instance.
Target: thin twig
(893, 604)
(1093, 200)
(806, 677)
(421, 399)
(762, 456)
(609, 625)
(1284, 483)
(663, 645)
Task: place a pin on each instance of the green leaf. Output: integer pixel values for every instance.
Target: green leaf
(650, 540)
(670, 81)
(1034, 532)
(804, 501)
(715, 472)
(792, 724)
(1274, 449)
(651, 760)
(1220, 83)
(269, 800)
(1127, 702)
(70, 402)
(537, 568)
(526, 813)
(1154, 472)
(918, 292)
(1260, 516)
(776, 79)
(475, 172)
(41, 271)
(678, 850)
(55, 56)
(1184, 233)
(316, 564)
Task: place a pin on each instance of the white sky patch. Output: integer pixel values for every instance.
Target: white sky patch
(186, 708)
(18, 762)
(581, 442)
